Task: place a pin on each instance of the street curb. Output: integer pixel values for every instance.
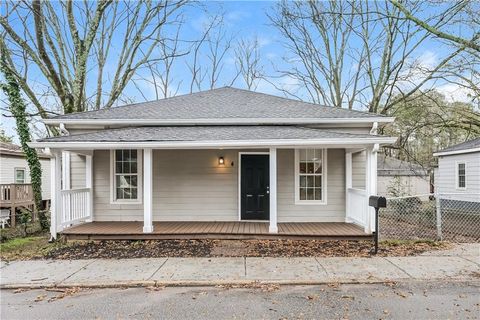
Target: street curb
(233, 283)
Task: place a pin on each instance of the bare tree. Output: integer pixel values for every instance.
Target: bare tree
(87, 52)
(354, 53)
(461, 34)
(317, 39)
(159, 73)
(209, 53)
(472, 42)
(249, 62)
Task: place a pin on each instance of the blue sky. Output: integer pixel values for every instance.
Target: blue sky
(248, 20)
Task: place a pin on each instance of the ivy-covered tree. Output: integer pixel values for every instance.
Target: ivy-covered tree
(18, 110)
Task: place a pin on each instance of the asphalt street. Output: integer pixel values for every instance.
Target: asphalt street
(404, 300)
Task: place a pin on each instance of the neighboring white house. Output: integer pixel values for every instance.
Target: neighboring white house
(217, 162)
(14, 168)
(458, 173)
(397, 177)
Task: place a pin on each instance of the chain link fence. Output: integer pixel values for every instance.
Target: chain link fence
(453, 217)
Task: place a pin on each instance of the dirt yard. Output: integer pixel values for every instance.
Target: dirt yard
(39, 248)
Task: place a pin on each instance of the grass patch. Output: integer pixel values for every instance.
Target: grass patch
(27, 248)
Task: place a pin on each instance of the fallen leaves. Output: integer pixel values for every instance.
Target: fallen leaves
(235, 248)
(61, 293)
(264, 287)
(40, 297)
(155, 288)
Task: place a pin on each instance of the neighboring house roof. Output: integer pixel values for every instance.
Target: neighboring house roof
(220, 106)
(388, 166)
(11, 149)
(213, 134)
(465, 147)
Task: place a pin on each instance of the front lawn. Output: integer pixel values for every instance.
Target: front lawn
(35, 247)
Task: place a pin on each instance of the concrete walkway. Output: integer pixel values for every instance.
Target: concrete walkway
(455, 264)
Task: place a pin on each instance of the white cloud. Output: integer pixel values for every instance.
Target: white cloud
(236, 15)
(454, 92)
(427, 59)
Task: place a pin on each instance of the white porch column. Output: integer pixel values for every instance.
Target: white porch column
(348, 184)
(66, 177)
(147, 190)
(273, 191)
(89, 184)
(371, 185)
(55, 196)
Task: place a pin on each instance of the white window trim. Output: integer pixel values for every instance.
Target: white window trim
(324, 179)
(24, 175)
(457, 181)
(113, 199)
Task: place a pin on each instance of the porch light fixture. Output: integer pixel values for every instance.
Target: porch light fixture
(221, 161)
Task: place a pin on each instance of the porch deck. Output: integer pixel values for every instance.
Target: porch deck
(217, 230)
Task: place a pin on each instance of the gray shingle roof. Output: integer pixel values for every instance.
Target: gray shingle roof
(204, 133)
(387, 166)
(475, 143)
(222, 103)
(11, 149)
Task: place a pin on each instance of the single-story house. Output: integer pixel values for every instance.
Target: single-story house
(458, 173)
(397, 177)
(223, 162)
(15, 183)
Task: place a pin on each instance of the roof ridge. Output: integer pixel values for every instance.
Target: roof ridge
(186, 95)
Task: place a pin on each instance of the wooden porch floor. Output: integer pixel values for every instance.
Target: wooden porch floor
(214, 230)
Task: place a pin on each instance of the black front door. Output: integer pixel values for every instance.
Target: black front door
(255, 198)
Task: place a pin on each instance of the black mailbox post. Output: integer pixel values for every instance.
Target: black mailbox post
(377, 202)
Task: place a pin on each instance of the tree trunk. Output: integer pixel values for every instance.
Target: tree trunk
(18, 109)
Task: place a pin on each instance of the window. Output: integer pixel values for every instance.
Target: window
(461, 175)
(19, 175)
(126, 176)
(310, 176)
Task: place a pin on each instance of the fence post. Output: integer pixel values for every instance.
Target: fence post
(439, 217)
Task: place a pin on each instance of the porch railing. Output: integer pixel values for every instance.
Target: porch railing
(75, 206)
(15, 193)
(358, 209)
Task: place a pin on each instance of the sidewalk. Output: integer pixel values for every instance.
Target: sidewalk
(457, 264)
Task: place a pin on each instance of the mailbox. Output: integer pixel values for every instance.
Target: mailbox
(377, 202)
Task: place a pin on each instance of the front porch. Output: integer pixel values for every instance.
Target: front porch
(191, 194)
(130, 230)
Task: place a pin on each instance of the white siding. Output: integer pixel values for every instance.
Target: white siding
(445, 181)
(359, 170)
(8, 164)
(102, 208)
(189, 185)
(333, 211)
(77, 171)
(410, 185)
